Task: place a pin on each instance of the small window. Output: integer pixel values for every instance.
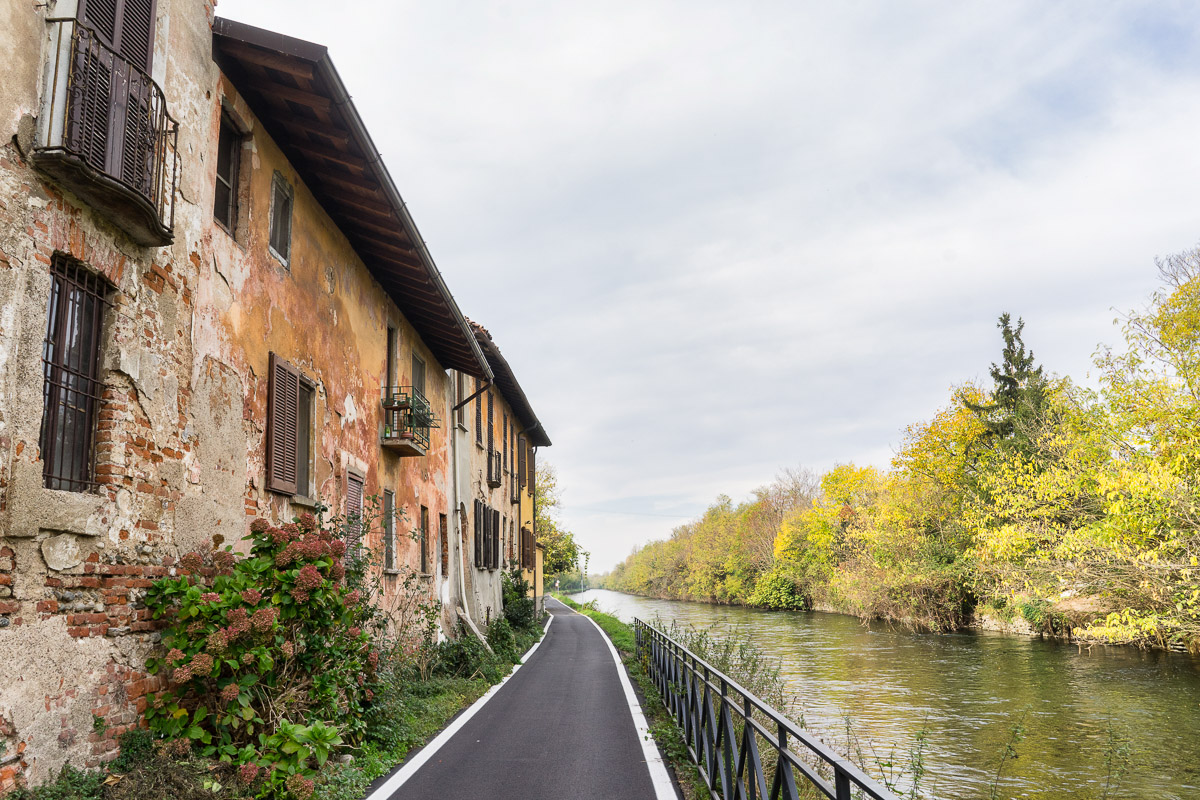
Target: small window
(491, 439)
(281, 218)
(504, 433)
(304, 439)
(418, 374)
(459, 393)
(71, 386)
(229, 145)
(389, 529)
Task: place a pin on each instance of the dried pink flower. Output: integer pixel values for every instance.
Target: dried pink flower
(182, 674)
(218, 642)
(309, 578)
(353, 598)
(192, 562)
(175, 655)
(230, 693)
(210, 597)
(251, 597)
(299, 595)
(307, 521)
(300, 786)
(263, 620)
(248, 773)
(259, 525)
(338, 547)
(202, 664)
(288, 649)
(354, 632)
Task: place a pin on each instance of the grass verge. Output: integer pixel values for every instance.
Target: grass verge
(666, 733)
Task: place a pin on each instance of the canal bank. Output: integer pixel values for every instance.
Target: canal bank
(1088, 718)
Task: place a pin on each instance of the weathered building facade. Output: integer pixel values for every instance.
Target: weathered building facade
(496, 436)
(214, 306)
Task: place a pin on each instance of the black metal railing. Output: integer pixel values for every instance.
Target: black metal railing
(495, 465)
(727, 729)
(407, 415)
(110, 116)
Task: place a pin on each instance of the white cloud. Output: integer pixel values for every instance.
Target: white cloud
(715, 240)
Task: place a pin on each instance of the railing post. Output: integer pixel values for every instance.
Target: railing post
(841, 783)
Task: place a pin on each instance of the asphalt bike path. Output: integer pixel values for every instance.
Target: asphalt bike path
(559, 728)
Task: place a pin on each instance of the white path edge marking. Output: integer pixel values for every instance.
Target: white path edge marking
(410, 767)
(663, 788)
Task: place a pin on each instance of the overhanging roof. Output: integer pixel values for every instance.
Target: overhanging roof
(293, 88)
(507, 383)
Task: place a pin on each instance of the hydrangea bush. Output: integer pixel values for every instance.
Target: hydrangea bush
(270, 662)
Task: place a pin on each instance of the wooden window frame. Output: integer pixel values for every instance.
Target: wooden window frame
(281, 187)
(417, 361)
(282, 441)
(228, 136)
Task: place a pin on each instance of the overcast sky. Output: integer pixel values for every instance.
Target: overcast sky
(718, 239)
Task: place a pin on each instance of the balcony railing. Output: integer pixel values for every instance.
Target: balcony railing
(494, 467)
(407, 418)
(105, 134)
(514, 489)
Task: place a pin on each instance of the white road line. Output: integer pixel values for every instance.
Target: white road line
(663, 788)
(410, 767)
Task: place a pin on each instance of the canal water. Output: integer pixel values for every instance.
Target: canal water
(1082, 710)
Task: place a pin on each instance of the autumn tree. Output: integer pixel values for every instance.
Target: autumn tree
(1019, 395)
(562, 552)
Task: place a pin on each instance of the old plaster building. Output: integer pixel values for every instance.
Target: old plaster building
(214, 306)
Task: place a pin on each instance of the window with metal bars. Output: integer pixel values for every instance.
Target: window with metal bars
(71, 390)
(444, 541)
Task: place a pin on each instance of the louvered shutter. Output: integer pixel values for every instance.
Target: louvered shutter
(532, 471)
(496, 539)
(354, 511)
(283, 424)
(478, 529)
(127, 26)
(521, 460)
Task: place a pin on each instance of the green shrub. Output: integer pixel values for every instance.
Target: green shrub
(518, 606)
(71, 784)
(777, 591)
(265, 653)
(137, 747)
(503, 640)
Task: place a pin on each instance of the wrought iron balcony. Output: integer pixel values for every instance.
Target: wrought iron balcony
(494, 467)
(105, 134)
(407, 418)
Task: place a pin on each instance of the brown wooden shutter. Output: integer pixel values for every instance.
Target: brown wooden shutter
(126, 26)
(521, 461)
(532, 471)
(478, 530)
(283, 421)
(478, 413)
(496, 531)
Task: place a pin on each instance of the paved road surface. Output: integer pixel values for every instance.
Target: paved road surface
(559, 729)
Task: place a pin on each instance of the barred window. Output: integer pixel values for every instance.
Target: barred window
(389, 529)
(71, 368)
(281, 218)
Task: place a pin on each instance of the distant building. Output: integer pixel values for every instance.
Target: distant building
(214, 306)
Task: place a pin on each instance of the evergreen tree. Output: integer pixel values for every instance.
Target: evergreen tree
(1019, 395)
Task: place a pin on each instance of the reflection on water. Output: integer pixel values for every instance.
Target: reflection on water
(968, 690)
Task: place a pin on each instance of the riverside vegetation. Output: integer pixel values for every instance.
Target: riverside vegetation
(1076, 510)
(288, 677)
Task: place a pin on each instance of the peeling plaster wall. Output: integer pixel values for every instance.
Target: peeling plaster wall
(180, 439)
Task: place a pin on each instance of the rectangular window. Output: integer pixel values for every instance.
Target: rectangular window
(418, 374)
(71, 387)
(229, 145)
(389, 529)
(304, 438)
(424, 540)
(504, 433)
(281, 218)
